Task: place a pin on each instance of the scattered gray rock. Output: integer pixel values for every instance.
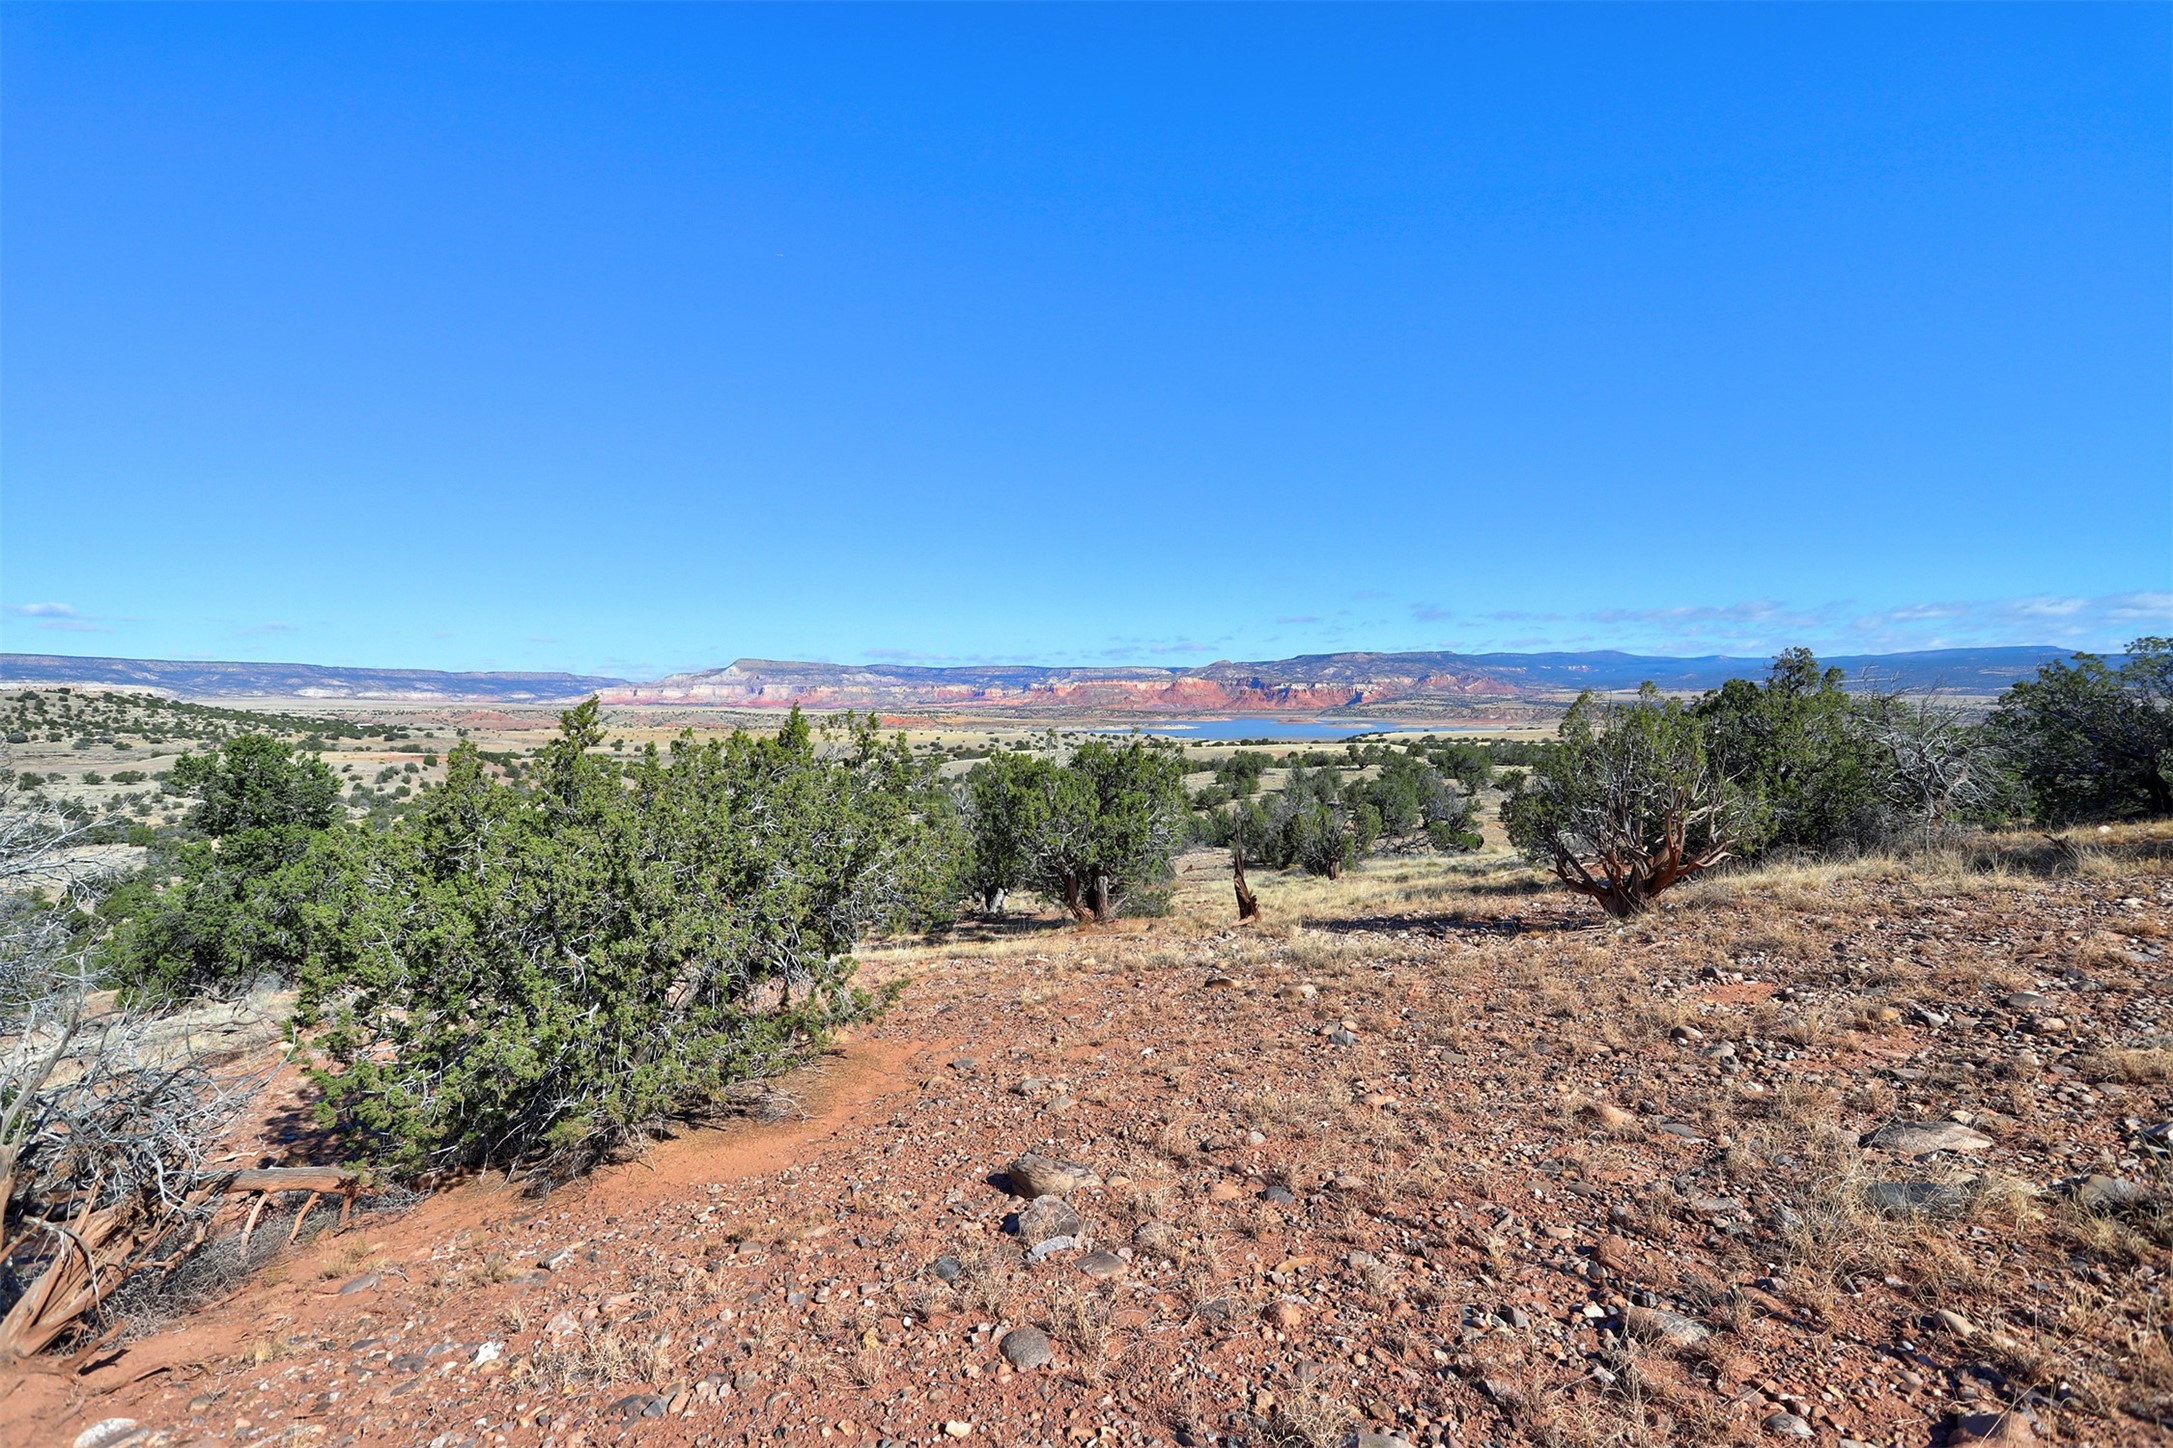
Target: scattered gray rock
(1155, 1237)
(1341, 1037)
(1915, 1199)
(1278, 1195)
(2109, 1196)
(1955, 1323)
(1788, 1425)
(1102, 1266)
(1026, 1348)
(1380, 1440)
(1993, 1428)
(946, 1269)
(110, 1433)
(2025, 1001)
(1034, 1175)
(1922, 1138)
(1048, 1247)
(1049, 1216)
(1657, 1324)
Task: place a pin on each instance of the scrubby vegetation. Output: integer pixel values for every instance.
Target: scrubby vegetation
(1096, 830)
(1632, 799)
(529, 959)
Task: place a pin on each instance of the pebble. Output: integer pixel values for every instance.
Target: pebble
(1027, 1348)
(1048, 1217)
(1278, 1194)
(1102, 1266)
(2109, 1195)
(1993, 1428)
(1954, 1322)
(110, 1433)
(1342, 1037)
(1611, 1116)
(1034, 1175)
(1283, 1315)
(1666, 1326)
(946, 1269)
(1381, 1440)
(1788, 1425)
(1914, 1199)
(957, 1429)
(1921, 1138)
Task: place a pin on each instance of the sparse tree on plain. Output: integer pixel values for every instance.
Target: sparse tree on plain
(1626, 803)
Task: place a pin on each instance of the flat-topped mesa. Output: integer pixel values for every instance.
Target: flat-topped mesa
(1311, 685)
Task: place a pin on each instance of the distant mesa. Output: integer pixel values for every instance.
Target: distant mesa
(191, 679)
(1308, 684)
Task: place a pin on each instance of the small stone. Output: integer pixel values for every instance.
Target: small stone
(1341, 1037)
(1611, 1116)
(108, 1433)
(1101, 1266)
(1788, 1425)
(1224, 1192)
(562, 1324)
(945, 1269)
(1921, 1138)
(2109, 1195)
(1218, 981)
(1255, 1138)
(2025, 1001)
(1382, 1440)
(1026, 1348)
(1034, 1175)
(1955, 1323)
(1155, 1237)
(1283, 1316)
(1278, 1195)
(1914, 1199)
(957, 1429)
(1993, 1428)
(2046, 1026)
(1048, 1247)
(1049, 1217)
(1657, 1323)
(635, 1405)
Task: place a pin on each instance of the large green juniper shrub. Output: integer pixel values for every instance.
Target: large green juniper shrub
(512, 975)
(220, 907)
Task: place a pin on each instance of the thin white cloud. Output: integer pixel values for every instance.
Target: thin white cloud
(60, 617)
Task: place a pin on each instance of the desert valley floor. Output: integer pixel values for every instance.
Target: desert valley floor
(1868, 1153)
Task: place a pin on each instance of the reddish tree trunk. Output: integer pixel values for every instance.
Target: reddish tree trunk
(1248, 905)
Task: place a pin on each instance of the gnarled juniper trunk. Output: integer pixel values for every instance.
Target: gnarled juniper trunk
(1248, 906)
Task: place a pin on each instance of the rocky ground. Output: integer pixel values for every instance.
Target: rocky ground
(1867, 1154)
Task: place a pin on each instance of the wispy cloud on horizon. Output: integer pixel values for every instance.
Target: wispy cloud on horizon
(1752, 627)
(60, 616)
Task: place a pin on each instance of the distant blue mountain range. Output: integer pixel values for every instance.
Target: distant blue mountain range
(1310, 683)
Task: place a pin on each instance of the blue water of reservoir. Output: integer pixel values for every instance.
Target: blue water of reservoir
(1277, 729)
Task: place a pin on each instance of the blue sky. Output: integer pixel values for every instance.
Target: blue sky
(632, 339)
